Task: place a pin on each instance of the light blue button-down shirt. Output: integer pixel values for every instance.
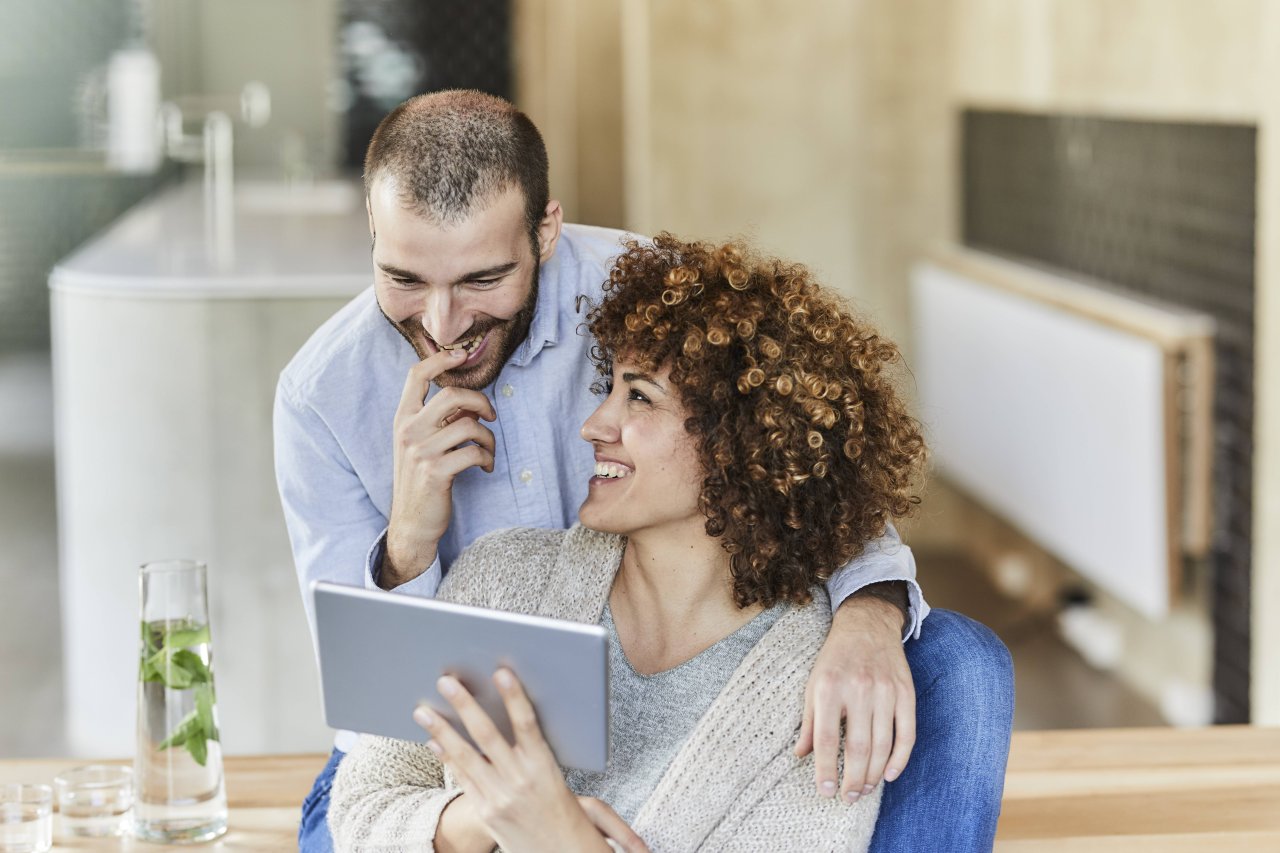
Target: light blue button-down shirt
(337, 398)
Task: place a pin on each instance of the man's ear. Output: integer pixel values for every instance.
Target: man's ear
(368, 208)
(549, 230)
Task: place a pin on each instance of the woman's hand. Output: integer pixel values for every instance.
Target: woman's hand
(516, 790)
(611, 826)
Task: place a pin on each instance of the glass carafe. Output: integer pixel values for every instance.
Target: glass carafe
(181, 795)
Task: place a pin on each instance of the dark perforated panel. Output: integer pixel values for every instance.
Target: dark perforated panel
(394, 49)
(1164, 209)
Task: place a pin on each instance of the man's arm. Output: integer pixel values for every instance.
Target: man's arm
(861, 676)
(331, 519)
(886, 559)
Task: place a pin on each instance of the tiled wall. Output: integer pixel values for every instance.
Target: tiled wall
(52, 198)
(1163, 209)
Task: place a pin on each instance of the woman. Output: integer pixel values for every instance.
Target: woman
(748, 444)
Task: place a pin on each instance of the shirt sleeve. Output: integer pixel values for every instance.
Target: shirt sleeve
(886, 559)
(425, 584)
(330, 518)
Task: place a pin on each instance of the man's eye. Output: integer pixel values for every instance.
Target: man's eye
(637, 396)
(485, 282)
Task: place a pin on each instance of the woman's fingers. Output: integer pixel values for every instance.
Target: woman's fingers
(454, 749)
(611, 826)
(524, 721)
(478, 723)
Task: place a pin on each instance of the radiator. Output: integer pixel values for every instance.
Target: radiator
(1080, 415)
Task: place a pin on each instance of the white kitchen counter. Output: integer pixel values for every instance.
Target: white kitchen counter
(305, 242)
(165, 366)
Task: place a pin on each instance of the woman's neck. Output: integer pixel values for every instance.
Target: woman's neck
(673, 598)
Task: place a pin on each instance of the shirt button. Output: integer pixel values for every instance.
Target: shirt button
(526, 476)
(507, 390)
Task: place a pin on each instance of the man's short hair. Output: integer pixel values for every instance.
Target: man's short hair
(453, 150)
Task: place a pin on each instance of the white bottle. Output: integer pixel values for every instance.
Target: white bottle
(133, 110)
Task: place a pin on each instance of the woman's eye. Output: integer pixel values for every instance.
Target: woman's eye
(637, 396)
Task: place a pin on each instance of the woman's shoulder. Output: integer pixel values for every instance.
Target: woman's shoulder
(505, 566)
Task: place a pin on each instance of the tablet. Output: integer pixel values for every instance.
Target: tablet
(381, 653)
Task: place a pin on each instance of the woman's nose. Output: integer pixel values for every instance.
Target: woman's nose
(600, 427)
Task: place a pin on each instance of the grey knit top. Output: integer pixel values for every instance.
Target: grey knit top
(734, 783)
(651, 715)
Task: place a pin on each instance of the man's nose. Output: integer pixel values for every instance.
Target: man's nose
(441, 316)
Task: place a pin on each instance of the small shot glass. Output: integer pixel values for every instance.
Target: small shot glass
(26, 818)
(95, 800)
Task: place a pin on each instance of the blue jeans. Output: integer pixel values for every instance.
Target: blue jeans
(313, 832)
(949, 796)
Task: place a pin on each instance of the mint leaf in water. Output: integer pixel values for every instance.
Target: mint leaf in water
(167, 658)
(190, 663)
(199, 749)
(184, 637)
(204, 711)
(183, 732)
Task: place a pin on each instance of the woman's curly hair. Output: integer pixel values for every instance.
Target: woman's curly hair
(807, 449)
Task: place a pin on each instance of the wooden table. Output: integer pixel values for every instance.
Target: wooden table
(264, 795)
(1213, 790)
(1099, 790)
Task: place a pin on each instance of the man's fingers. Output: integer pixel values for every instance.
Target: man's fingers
(445, 405)
(804, 743)
(418, 381)
(455, 462)
(610, 825)
(857, 746)
(826, 743)
(904, 735)
(881, 746)
(479, 726)
(458, 433)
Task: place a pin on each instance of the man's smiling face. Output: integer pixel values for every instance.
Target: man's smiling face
(470, 284)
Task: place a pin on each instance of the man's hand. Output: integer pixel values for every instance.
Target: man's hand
(433, 444)
(862, 676)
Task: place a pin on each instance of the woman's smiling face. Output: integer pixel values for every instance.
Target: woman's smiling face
(647, 475)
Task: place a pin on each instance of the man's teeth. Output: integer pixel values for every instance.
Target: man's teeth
(469, 345)
(611, 471)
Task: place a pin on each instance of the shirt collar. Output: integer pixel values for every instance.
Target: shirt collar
(544, 330)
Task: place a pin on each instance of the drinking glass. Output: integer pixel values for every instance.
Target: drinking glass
(180, 792)
(26, 818)
(95, 800)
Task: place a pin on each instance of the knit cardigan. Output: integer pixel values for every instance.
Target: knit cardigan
(734, 784)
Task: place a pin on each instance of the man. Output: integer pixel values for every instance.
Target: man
(447, 402)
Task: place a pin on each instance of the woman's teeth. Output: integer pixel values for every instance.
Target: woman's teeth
(610, 471)
(469, 344)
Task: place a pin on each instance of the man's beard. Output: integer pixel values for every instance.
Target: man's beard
(481, 375)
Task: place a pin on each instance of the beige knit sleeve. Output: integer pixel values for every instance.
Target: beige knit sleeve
(388, 796)
(792, 818)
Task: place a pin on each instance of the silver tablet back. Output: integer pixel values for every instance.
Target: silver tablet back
(381, 653)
